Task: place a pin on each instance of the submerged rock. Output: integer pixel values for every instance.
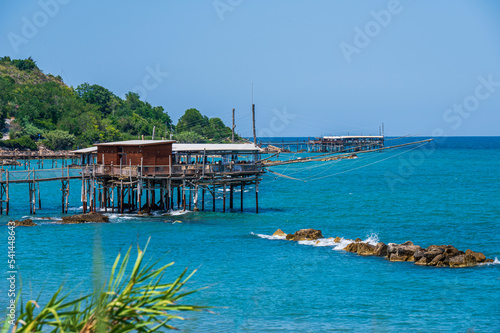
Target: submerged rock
(279, 232)
(24, 223)
(83, 218)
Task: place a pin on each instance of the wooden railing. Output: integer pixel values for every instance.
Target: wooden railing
(167, 170)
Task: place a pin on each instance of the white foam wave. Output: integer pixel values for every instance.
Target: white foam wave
(269, 236)
(495, 262)
(322, 242)
(178, 212)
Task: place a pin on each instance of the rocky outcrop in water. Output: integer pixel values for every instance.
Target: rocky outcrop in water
(305, 234)
(84, 218)
(24, 223)
(434, 255)
(279, 232)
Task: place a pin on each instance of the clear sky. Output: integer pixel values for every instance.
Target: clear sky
(317, 67)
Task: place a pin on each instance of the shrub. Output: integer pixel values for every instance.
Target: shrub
(189, 137)
(59, 139)
(23, 142)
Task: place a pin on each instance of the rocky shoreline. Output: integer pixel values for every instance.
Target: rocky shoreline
(72, 219)
(434, 255)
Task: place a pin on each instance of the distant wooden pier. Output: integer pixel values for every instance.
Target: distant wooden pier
(327, 144)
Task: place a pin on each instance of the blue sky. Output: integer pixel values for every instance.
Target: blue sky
(317, 67)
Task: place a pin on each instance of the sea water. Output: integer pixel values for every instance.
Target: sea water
(441, 193)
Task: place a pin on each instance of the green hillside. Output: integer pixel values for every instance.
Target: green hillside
(46, 110)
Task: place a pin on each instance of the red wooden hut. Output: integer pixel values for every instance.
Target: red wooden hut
(135, 152)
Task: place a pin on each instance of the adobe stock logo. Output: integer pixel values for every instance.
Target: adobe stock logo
(150, 81)
(483, 91)
(223, 6)
(30, 27)
(372, 28)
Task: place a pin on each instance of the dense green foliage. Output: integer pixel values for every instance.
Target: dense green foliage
(63, 117)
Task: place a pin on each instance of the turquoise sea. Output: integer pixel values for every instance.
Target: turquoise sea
(447, 192)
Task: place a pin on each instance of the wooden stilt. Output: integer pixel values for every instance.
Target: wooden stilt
(203, 199)
(196, 198)
(178, 197)
(256, 196)
(213, 196)
(184, 193)
(121, 197)
(231, 187)
(241, 198)
(224, 198)
(190, 188)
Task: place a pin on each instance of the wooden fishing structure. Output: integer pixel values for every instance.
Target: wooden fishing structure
(324, 144)
(145, 175)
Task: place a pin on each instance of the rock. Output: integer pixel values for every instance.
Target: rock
(436, 259)
(397, 257)
(358, 240)
(440, 264)
(419, 254)
(279, 232)
(337, 240)
(402, 252)
(307, 234)
(433, 251)
(489, 260)
(380, 250)
(365, 249)
(24, 223)
(423, 261)
(478, 255)
(83, 218)
(392, 248)
(289, 237)
(450, 250)
(462, 260)
(352, 247)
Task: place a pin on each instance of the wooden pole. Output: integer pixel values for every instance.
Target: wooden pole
(184, 193)
(121, 196)
(196, 197)
(213, 201)
(253, 123)
(231, 187)
(232, 129)
(178, 197)
(257, 197)
(7, 192)
(224, 198)
(203, 199)
(39, 201)
(190, 188)
(241, 197)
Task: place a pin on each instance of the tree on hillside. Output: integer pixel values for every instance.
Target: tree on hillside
(192, 120)
(24, 64)
(7, 85)
(98, 95)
